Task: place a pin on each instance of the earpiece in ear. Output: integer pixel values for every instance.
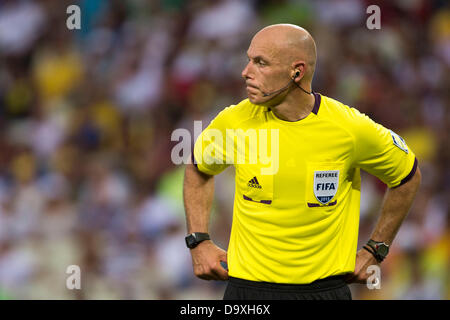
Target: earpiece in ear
(296, 74)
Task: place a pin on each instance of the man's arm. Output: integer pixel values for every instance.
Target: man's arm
(395, 208)
(198, 194)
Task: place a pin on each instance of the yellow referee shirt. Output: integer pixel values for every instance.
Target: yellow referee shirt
(297, 200)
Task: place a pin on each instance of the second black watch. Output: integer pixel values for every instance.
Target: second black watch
(193, 239)
(378, 249)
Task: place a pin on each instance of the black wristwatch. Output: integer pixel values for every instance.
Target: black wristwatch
(378, 249)
(193, 239)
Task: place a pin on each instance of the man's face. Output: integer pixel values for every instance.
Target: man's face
(265, 71)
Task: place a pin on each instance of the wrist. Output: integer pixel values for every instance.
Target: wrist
(378, 249)
(195, 238)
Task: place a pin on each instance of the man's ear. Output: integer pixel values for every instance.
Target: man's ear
(299, 68)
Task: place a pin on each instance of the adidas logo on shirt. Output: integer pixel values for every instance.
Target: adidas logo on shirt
(254, 183)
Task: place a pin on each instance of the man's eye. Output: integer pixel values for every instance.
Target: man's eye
(261, 63)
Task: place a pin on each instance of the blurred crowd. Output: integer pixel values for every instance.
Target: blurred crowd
(86, 118)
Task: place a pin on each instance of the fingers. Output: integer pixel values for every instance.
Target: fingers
(207, 259)
(222, 268)
(220, 273)
(363, 261)
(223, 257)
(206, 277)
(212, 272)
(355, 278)
(349, 278)
(360, 276)
(201, 273)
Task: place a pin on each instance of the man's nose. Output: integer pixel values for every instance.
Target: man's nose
(245, 72)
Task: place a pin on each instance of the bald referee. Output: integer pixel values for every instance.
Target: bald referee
(296, 212)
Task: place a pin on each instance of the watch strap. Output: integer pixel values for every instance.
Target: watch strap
(372, 251)
(193, 239)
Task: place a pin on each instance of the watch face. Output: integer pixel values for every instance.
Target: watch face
(195, 238)
(190, 241)
(382, 249)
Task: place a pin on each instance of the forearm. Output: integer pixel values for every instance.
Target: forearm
(395, 208)
(198, 193)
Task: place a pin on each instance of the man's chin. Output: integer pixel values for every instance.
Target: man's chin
(256, 100)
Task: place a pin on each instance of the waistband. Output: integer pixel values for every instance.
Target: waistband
(328, 283)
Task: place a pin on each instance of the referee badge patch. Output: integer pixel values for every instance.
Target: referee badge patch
(325, 185)
(398, 141)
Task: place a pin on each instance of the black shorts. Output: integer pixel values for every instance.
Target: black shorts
(331, 288)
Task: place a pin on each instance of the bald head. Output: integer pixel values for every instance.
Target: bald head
(290, 43)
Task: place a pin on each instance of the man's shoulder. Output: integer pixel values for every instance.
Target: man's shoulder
(341, 113)
(239, 113)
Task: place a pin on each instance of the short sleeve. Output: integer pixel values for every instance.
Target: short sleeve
(209, 154)
(381, 152)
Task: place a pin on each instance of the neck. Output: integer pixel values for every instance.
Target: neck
(295, 106)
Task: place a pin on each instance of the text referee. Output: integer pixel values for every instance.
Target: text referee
(297, 156)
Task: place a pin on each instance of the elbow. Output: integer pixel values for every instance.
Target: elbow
(192, 171)
(414, 182)
(418, 177)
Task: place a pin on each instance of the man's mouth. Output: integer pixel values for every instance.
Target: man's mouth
(251, 86)
(251, 89)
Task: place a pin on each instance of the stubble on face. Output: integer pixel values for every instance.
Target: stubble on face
(268, 70)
